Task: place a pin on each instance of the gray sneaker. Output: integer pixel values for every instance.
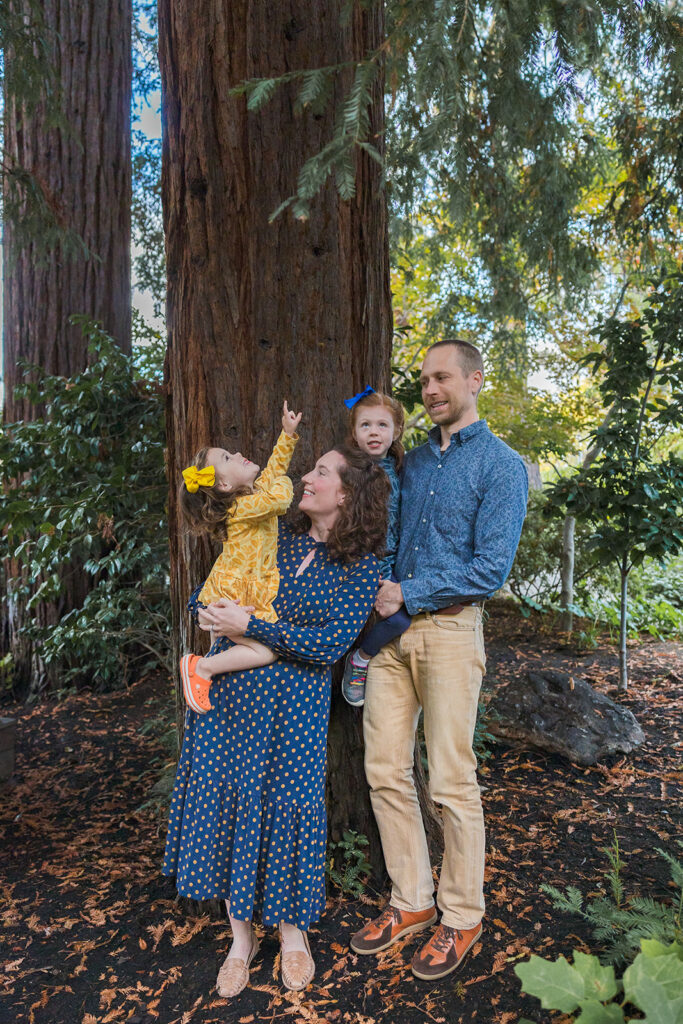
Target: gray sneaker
(353, 683)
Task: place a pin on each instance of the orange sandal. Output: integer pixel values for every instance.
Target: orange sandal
(195, 688)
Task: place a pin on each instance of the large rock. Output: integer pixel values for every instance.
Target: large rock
(559, 713)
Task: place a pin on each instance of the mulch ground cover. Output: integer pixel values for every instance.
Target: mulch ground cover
(92, 934)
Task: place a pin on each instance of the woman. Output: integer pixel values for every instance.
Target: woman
(247, 821)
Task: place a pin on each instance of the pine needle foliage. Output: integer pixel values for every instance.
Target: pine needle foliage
(337, 158)
(540, 131)
(619, 922)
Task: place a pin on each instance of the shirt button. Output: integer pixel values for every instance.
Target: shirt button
(416, 546)
(410, 575)
(424, 520)
(431, 492)
(439, 466)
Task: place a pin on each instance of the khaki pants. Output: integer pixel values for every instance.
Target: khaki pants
(437, 664)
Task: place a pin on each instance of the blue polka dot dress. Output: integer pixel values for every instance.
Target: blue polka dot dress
(247, 820)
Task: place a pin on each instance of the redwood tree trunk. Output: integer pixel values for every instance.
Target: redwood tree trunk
(258, 312)
(82, 167)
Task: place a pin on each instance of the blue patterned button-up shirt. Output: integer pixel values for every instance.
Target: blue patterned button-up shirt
(462, 512)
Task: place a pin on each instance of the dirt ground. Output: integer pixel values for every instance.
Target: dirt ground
(91, 932)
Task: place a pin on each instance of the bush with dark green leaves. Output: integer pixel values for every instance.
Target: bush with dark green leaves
(656, 604)
(85, 486)
(652, 985)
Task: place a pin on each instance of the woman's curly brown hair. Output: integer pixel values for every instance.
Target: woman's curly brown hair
(361, 525)
(207, 509)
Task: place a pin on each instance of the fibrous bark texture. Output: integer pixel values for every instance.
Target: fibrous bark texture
(258, 312)
(79, 158)
(75, 152)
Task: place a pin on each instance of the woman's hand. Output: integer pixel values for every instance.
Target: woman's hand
(204, 619)
(228, 618)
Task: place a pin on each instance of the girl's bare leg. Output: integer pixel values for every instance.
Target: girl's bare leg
(245, 654)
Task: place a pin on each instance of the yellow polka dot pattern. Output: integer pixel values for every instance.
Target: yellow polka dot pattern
(246, 569)
(247, 820)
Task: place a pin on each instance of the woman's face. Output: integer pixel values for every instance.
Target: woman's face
(323, 491)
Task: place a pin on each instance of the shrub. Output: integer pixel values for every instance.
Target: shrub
(347, 865)
(620, 922)
(85, 486)
(652, 984)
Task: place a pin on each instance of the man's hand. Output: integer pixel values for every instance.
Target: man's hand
(389, 599)
(290, 420)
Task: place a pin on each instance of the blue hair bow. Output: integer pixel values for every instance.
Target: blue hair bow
(350, 402)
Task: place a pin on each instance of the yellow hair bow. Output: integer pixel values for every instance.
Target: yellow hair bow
(195, 478)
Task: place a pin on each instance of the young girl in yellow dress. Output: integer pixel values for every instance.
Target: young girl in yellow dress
(223, 495)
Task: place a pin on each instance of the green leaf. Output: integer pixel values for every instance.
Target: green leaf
(655, 985)
(599, 981)
(558, 985)
(593, 1012)
(652, 947)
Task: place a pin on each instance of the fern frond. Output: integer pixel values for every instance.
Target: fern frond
(675, 865)
(571, 900)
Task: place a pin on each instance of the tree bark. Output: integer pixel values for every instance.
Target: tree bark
(624, 569)
(81, 163)
(568, 546)
(258, 312)
(567, 575)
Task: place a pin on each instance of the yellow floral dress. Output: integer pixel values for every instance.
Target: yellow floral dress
(246, 569)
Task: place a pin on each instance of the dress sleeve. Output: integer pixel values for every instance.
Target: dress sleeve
(279, 461)
(266, 501)
(327, 643)
(194, 604)
(273, 489)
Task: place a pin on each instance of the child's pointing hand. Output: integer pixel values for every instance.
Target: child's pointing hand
(290, 420)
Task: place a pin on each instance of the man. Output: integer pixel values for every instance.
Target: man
(464, 496)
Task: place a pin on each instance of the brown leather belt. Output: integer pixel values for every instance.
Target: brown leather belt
(454, 609)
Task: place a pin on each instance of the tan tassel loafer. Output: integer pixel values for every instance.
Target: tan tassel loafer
(233, 976)
(297, 968)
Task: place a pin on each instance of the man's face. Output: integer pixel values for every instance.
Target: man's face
(447, 393)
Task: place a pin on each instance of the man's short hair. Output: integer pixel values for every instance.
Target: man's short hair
(469, 356)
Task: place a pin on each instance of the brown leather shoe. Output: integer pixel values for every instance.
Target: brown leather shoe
(389, 927)
(444, 952)
(297, 969)
(234, 973)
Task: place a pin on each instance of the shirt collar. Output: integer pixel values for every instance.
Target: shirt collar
(460, 437)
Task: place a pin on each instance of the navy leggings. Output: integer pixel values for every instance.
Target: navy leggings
(386, 629)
